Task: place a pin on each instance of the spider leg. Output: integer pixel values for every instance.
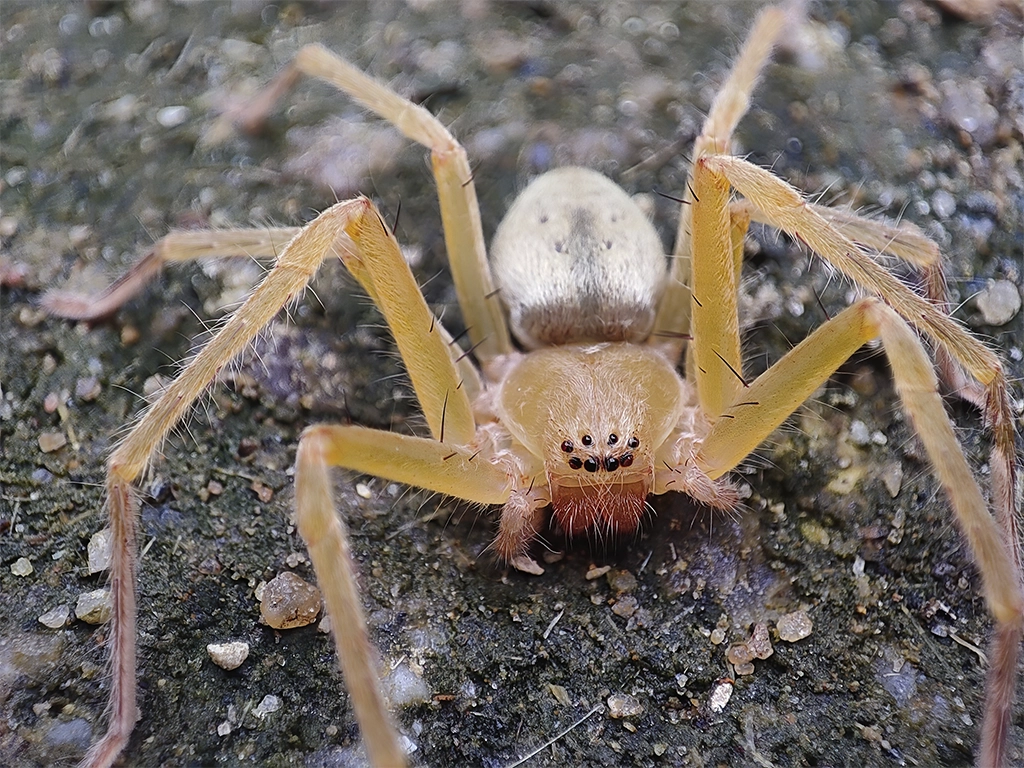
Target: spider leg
(715, 348)
(444, 464)
(957, 351)
(770, 399)
(176, 246)
(460, 212)
(414, 460)
(779, 391)
(729, 106)
(904, 241)
(376, 261)
(294, 267)
(785, 209)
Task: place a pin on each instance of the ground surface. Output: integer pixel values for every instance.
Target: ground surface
(888, 106)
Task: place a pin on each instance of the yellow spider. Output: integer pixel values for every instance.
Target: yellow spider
(605, 373)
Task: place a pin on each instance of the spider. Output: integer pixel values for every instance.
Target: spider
(496, 438)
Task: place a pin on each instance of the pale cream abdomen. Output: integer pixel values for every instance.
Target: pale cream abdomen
(576, 260)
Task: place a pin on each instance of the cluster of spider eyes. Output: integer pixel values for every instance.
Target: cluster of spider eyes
(608, 463)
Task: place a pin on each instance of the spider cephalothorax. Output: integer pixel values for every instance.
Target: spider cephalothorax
(594, 416)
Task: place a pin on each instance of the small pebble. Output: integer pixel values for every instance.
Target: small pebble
(210, 566)
(288, 602)
(324, 627)
(597, 573)
(794, 626)
(560, 694)
(744, 669)
(295, 559)
(153, 386)
(943, 204)
(739, 654)
(526, 565)
(99, 551)
(55, 618)
(228, 655)
(172, 117)
(263, 491)
(815, 534)
(760, 644)
(621, 581)
(94, 607)
(892, 479)
(51, 441)
(129, 335)
(859, 434)
(625, 607)
(999, 302)
(623, 705)
(22, 567)
(720, 696)
(404, 686)
(270, 704)
(88, 389)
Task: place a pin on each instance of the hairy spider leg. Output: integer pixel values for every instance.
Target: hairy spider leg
(672, 323)
(959, 354)
(460, 212)
(774, 395)
(444, 464)
(293, 269)
(176, 246)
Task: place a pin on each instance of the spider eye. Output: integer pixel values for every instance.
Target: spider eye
(575, 462)
(587, 440)
(567, 446)
(626, 460)
(613, 439)
(611, 463)
(633, 442)
(591, 464)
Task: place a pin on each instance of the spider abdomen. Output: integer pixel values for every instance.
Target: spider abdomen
(576, 260)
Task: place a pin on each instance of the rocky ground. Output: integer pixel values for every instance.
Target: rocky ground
(898, 108)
